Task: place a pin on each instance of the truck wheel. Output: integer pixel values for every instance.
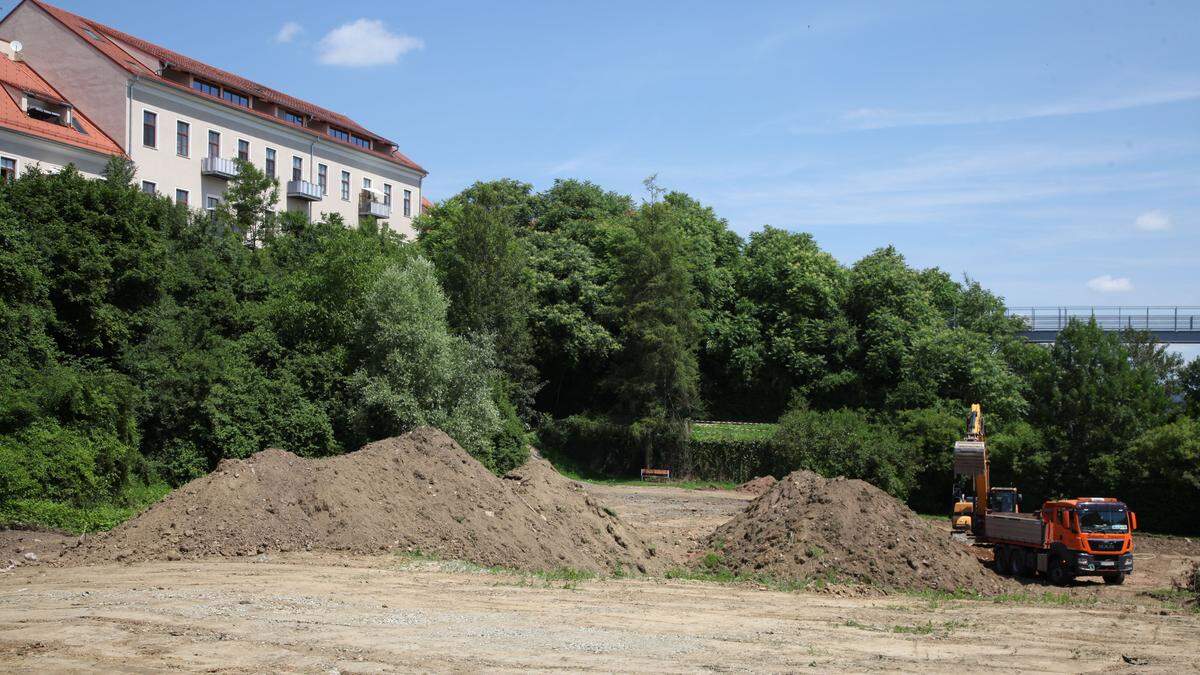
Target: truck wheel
(1016, 562)
(1056, 572)
(1000, 560)
(1114, 579)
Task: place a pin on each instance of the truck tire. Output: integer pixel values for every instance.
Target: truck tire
(1016, 562)
(1056, 572)
(1114, 579)
(1000, 560)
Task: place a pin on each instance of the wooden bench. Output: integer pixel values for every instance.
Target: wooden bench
(664, 474)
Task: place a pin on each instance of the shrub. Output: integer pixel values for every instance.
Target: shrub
(844, 443)
(50, 461)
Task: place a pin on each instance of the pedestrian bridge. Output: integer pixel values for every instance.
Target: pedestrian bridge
(1169, 324)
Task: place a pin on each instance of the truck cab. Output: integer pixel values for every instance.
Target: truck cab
(1089, 536)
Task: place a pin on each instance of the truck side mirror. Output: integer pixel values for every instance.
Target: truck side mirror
(1132, 521)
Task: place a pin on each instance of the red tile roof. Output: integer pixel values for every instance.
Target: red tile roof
(19, 76)
(425, 205)
(108, 44)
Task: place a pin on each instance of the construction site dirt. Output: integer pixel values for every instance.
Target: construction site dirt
(103, 606)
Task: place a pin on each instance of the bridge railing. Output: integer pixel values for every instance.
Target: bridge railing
(1148, 318)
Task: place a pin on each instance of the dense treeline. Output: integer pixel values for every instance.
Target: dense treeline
(142, 344)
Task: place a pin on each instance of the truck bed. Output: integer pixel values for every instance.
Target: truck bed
(1020, 528)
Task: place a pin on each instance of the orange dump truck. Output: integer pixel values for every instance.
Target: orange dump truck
(1067, 538)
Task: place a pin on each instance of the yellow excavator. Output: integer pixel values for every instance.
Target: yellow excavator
(971, 460)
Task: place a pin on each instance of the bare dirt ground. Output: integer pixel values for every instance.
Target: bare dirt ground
(323, 612)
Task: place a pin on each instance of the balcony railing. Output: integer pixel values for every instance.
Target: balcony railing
(302, 189)
(219, 167)
(371, 203)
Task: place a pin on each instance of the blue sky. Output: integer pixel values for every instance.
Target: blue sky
(1050, 150)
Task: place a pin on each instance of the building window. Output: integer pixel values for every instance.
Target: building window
(8, 169)
(408, 203)
(181, 197)
(236, 98)
(387, 194)
(366, 183)
(361, 142)
(339, 134)
(243, 150)
(149, 188)
(149, 129)
(271, 162)
(323, 178)
(206, 88)
(211, 202)
(183, 141)
(346, 185)
(297, 168)
(214, 144)
(293, 118)
(45, 111)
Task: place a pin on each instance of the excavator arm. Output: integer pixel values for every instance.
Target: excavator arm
(971, 459)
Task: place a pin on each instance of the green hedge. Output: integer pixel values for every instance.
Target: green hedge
(590, 445)
(731, 452)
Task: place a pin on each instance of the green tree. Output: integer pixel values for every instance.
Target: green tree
(416, 372)
(484, 270)
(655, 377)
(1160, 476)
(249, 204)
(1089, 403)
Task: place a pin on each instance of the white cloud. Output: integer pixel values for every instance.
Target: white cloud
(1153, 221)
(365, 42)
(1107, 283)
(288, 32)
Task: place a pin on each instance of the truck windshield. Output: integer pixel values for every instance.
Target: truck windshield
(1106, 520)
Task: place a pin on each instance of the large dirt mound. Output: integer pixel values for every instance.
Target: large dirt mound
(419, 491)
(807, 526)
(757, 486)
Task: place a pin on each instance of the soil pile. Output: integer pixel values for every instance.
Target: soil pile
(810, 527)
(419, 491)
(757, 486)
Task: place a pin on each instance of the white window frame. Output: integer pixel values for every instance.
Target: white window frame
(187, 196)
(408, 203)
(242, 141)
(14, 165)
(346, 186)
(153, 187)
(270, 165)
(323, 178)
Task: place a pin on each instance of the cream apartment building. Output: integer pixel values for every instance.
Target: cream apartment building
(183, 123)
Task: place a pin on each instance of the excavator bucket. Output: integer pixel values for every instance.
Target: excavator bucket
(969, 458)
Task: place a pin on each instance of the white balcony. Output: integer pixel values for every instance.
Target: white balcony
(370, 203)
(219, 167)
(302, 189)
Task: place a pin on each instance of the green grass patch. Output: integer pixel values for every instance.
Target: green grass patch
(50, 515)
(718, 431)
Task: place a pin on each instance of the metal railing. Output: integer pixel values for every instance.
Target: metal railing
(1114, 318)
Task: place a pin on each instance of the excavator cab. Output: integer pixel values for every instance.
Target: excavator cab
(1004, 500)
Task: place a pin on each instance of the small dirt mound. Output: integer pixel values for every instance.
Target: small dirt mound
(757, 486)
(419, 491)
(808, 527)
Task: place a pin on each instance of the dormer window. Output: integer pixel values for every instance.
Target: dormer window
(339, 134)
(360, 141)
(206, 88)
(293, 118)
(236, 98)
(47, 111)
